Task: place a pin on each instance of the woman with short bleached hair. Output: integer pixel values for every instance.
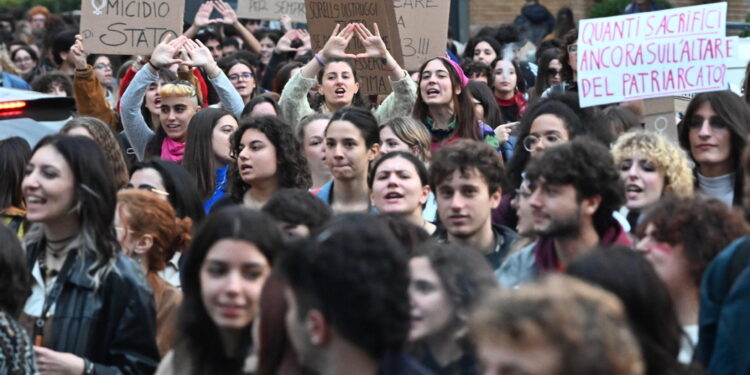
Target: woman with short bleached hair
(651, 166)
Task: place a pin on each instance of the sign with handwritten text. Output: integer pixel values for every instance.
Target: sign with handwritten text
(423, 26)
(655, 54)
(129, 27)
(322, 17)
(272, 9)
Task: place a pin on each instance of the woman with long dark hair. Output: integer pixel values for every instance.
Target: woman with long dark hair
(231, 258)
(447, 282)
(444, 105)
(14, 154)
(90, 310)
(243, 76)
(714, 133)
(339, 81)
(207, 152)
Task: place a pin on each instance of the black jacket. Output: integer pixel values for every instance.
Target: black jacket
(113, 326)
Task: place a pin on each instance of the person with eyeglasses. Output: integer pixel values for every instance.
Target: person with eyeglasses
(26, 62)
(243, 75)
(569, 69)
(550, 73)
(171, 182)
(179, 99)
(714, 133)
(548, 123)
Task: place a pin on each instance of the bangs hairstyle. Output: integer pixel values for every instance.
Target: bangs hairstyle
(363, 120)
(183, 193)
(105, 138)
(180, 89)
(418, 166)
(95, 199)
(198, 347)
(411, 132)
(143, 212)
(464, 156)
(199, 153)
(463, 108)
(15, 153)
(291, 168)
(577, 121)
(667, 156)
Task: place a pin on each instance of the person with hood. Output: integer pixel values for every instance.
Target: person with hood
(535, 22)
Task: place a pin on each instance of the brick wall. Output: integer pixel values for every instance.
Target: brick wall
(494, 12)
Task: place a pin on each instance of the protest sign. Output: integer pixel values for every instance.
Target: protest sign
(423, 27)
(271, 9)
(129, 27)
(655, 54)
(322, 17)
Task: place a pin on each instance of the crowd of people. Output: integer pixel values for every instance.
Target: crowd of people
(235, 203)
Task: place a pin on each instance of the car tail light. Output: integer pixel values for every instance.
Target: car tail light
(12, 108)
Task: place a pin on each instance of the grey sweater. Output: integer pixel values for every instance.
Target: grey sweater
(135, 125)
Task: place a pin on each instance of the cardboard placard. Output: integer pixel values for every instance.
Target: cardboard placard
(655, 54)
(129, 27)
(272, 9)
(423, 27)
(322, 17)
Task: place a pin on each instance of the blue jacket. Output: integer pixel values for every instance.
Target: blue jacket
(724, 307)
(14, 82)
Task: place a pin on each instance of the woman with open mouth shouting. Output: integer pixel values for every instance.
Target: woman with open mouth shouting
(339, 82)
(650, 167)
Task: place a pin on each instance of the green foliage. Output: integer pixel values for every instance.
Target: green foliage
(608, 8)
(55, 6)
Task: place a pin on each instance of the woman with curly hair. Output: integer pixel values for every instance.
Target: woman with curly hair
(268, 157)
(568, 59)
(97, 130)
(149, 232)
(650, 166)
(680, 237)
(447, 282)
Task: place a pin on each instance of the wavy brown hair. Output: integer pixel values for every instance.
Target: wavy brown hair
(105, 138)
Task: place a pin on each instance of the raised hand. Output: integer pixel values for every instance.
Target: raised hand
(229, 16)
(285, 42)
(304, 36)
(78, 53)
(286, 22)
(335, 47)
(165, 52)
(198, 54)
(203, 14)
(374, 45)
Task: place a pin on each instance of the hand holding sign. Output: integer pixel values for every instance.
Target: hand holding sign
(165, 52)
(335, 47)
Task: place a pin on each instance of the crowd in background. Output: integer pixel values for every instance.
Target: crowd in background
(235, 203)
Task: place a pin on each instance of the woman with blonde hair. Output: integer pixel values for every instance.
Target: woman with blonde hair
(149, 232)
(405, 134)
(651, 166)
(100, 132)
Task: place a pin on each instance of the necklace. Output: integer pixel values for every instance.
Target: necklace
(47, 273)
(57, 248)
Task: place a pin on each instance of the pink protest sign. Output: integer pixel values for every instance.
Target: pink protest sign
(655, 54)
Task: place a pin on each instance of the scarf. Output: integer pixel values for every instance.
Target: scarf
(172, 150)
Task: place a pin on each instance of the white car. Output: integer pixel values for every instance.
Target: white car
(32, 115)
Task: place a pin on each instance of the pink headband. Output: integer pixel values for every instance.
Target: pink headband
(461, 75)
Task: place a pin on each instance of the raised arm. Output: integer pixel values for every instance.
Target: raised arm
(88, 92)
(229, 17)
(200, 56)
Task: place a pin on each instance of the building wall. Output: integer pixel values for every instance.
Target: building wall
(494, 12)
